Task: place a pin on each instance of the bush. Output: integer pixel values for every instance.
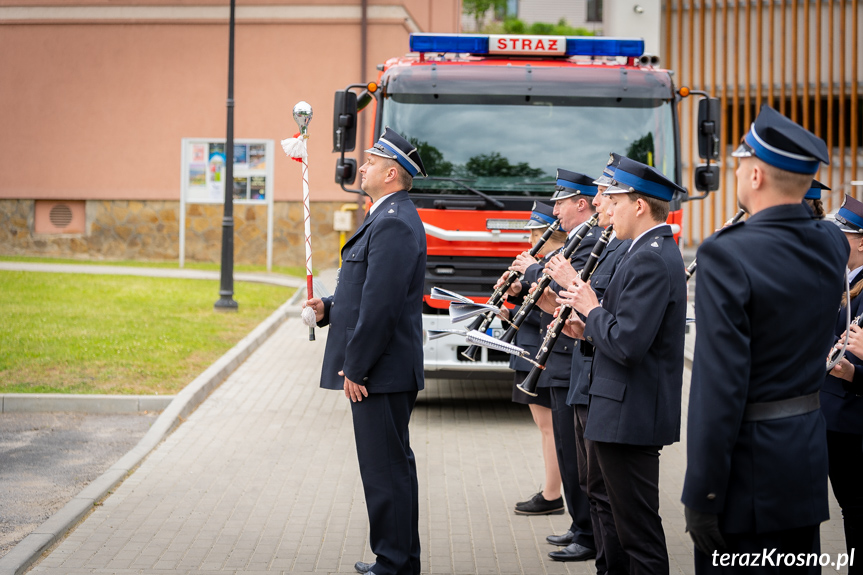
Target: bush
(516, 26)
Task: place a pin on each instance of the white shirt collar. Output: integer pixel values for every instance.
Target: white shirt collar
(852, 275)
(644, 233)
(378, 202)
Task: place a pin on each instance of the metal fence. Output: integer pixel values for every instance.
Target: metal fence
(799, 56)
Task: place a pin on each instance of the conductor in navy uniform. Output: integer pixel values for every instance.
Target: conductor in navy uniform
(374, 349)
(766, 301)
(637, 373)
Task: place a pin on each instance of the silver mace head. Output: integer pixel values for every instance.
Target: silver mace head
(302, 116)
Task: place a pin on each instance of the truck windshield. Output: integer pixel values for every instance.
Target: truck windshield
(513, 145)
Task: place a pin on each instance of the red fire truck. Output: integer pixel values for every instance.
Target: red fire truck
(493, 117)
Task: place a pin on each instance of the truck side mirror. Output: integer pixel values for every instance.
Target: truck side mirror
(709, 120)
(707, 177)
(346, 171)
(345, 121)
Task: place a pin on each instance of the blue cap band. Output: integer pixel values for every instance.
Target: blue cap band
(813, 194)
(783, 161)
(400, 158)
(585, 190)
(647, 187)
(541, 218)
(850, 217)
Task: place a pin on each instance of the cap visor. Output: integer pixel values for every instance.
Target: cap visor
(614, 190)
(846, 228)
(602, 181)
(380, 153)
(743, 151)
(531, 225)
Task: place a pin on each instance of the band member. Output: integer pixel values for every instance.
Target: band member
(813, 198)
(841, 404)
(610, 557)
(756, 475)
(573, 197)
(548, 500)
(374, 349)
(637, 372)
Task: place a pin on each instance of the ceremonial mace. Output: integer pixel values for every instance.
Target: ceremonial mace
(296, 148)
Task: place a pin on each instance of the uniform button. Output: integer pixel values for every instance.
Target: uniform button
(711, 496)
(566, 348)
(365, 379)
(590, 339)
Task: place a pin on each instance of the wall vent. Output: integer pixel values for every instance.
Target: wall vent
(60, 217)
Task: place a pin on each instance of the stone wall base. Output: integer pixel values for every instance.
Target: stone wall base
(150, 230)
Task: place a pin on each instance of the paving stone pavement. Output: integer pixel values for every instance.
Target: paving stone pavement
(263, 478)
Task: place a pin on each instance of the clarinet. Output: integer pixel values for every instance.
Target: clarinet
(482, 322)
(836, 353)
(690, 269)
(544, 280)
(551, 336)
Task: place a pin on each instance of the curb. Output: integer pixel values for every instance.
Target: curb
(89, 403)
(20, 557)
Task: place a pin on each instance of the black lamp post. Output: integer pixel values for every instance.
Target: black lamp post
(226, 282)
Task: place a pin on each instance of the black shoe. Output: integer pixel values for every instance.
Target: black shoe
(573, 552)
(561, 540)
(539, 505)
(364, 567)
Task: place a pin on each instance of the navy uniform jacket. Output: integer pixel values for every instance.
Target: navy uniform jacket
(843, 411)
(765, 303)
(579, 379)
(559, 363)
(375, 315)
(638, 334)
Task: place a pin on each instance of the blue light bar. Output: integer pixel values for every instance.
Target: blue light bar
(593, 46)
(450, 43)
(479, 44)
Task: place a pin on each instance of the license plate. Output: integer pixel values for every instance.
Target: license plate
(495, 333)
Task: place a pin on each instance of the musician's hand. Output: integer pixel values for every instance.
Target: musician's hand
(523, 261)
(580, 296)
(560, 270)
(574, 327)
(855, 340)
(843, 370)
(504, 313)
(547, 302)
(317, 305)
(354, 391)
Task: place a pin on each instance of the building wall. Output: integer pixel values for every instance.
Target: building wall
(574, 11)
(150, 230)
(97, 95)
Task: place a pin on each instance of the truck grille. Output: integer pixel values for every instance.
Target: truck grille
(467, 276)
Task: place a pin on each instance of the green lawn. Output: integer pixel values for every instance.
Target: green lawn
(70, 333)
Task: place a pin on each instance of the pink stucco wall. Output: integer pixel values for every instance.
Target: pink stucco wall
(95, 107)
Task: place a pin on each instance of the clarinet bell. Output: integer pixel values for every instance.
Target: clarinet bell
(471, 353)
(529, 384)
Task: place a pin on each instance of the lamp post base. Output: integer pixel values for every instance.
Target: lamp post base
(226, 303)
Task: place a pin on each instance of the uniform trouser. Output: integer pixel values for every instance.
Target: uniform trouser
(845, 454)
(631, 477)
(563, 422)
(763, 548)
(611, 559)
(389, 475)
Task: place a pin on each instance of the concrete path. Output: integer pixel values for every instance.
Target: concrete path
(175, 273)
(263, 478)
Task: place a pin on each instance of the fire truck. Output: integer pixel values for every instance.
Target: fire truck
(493, 117)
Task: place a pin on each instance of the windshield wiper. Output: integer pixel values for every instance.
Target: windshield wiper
(496, 203)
